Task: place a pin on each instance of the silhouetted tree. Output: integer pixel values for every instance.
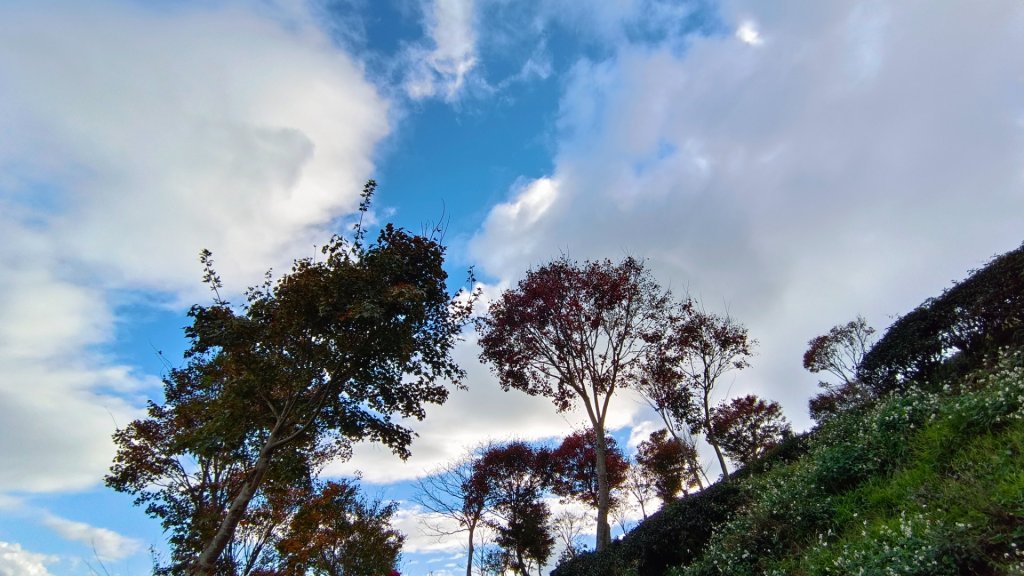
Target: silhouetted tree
(701, 348)
(747, 427)
(840, 353)
(456, 494)
(515, 477)
(664, 460)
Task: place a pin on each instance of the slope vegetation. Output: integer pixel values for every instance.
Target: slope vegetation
(923, 475)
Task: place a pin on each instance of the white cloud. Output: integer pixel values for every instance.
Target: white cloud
(748, 33)
(217, 129)
(419, 527)
(472, 417)
(133, 139)
(16, 561)
(850, 165)
(107, 544)
(530, 203)
(443, 68)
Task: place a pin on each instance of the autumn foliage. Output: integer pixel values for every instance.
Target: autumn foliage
(576, 333)
(748, 426)
(665, 461)
(575, 469)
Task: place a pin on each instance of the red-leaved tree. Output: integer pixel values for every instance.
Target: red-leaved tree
(840, 353)
(514, 478)
(665, 460)
(574, 463)
(747, 427)
(702, 347)
(576, 333)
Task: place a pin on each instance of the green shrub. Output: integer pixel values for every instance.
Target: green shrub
(947, 336)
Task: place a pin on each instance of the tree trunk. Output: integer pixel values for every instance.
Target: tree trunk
(721, 458)
(206, 564)
(604, 530)
(469, 557)
(710, 436)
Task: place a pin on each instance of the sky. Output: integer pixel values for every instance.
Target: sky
(792, 164)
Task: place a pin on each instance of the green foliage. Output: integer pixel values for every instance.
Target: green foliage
(335, 351)
(917, 469)
(925, 483)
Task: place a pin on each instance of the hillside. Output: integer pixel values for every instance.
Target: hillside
(923, 475)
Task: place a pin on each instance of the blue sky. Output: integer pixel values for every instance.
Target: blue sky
(792, 163)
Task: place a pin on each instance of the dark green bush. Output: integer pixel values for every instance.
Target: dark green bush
(954, 333)
(671, 536)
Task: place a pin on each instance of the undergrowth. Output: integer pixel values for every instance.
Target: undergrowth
(921, 483)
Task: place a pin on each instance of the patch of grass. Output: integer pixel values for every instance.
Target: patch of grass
(923, 483)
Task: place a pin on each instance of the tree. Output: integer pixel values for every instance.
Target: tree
(748, 427)
(576, 333)
(575, 468)
(665, 461)
(515, 477)
(568, 526)
(188, 489)
(456, 494)
(336, 532)
(662, 390)
(640, 486)
(328, 354)
(701, 348)
(840, 353)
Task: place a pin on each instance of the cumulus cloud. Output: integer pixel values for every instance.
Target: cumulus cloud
(855, 163)
(133, 139)
(16, 561)
(471, 417)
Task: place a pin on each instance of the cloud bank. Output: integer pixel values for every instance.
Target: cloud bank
(806, 165)
(135, 137)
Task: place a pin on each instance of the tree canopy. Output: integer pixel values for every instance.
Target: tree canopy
(328, 354)
(576, 333)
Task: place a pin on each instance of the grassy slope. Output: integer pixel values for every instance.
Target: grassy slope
(923, 483)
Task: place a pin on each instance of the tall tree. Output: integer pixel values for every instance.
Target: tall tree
(515, 477)
(662, 389)
(747, 427)
(702, 347)
(457, 495)
(576, 333)
(328, 354)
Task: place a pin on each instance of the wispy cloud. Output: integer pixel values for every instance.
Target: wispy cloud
(107, 544)
(442, 66)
